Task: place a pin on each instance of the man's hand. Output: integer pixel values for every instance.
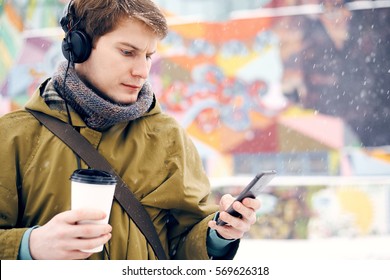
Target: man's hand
(236, 227)
(62, 237)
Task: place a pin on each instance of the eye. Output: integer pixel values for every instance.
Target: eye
(127, 52)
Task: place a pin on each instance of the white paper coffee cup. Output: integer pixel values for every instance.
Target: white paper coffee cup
(94, 189)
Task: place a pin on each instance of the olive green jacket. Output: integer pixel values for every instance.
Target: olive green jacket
(152, 154)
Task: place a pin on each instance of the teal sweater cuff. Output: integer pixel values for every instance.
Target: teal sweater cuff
(24, 249)
(217, 246)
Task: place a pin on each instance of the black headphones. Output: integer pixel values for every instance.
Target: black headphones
(76, 45)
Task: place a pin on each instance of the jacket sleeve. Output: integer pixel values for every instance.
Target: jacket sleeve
(10, 242)
(193, 245)
(11, 159)
(193, 209)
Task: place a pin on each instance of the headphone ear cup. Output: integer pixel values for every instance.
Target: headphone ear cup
(76, 46)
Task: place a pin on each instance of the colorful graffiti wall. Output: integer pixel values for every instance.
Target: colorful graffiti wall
(277, 85)
(257, 88)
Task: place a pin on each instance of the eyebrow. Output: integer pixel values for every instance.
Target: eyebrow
(134, 47)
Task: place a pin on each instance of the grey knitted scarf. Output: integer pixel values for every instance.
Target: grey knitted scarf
(98, 113)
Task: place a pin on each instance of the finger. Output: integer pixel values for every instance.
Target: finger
(226, 201)
(90, 230)
(77, 215)
(246, 212)
(255, 204)
(240, 224)
(79, 255)
(226, 232)
(73, 255)
(90, 243)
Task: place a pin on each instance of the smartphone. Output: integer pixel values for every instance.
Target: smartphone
(251, 190)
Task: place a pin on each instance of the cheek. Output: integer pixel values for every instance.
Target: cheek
(114, 66)
(106, 70)
(104, 59)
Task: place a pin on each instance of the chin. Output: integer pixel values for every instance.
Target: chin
(126, 101)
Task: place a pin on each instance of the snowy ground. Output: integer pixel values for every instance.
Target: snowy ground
(368, 248)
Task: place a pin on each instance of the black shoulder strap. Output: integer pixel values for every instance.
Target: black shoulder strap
(95, 160)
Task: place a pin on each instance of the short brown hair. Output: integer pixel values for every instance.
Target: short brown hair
(98, 17)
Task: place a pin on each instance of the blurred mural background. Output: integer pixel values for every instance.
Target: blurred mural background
(302, 87)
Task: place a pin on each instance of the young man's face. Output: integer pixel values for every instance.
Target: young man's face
(120, 62)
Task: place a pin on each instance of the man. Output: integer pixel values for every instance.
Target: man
(105, 95)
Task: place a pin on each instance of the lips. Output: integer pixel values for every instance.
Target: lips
(131, 86)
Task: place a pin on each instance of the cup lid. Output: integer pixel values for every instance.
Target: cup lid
(93, 176)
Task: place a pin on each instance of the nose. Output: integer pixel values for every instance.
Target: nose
(141, 67)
